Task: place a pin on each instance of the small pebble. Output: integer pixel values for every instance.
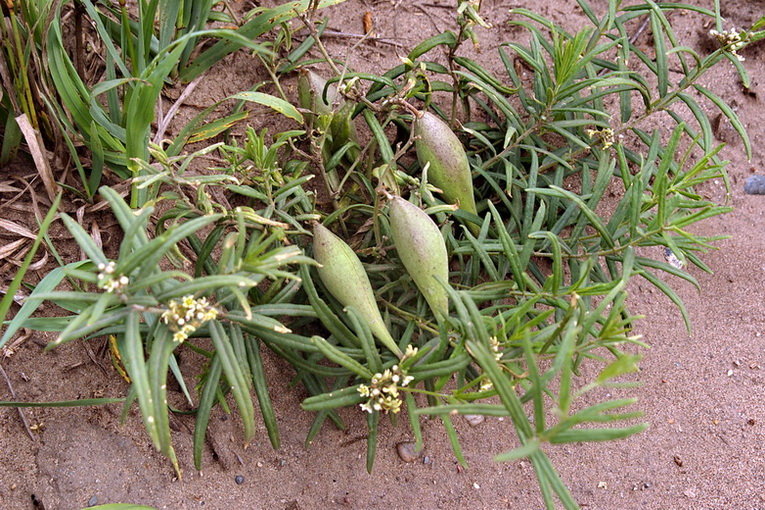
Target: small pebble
(407, 452)
(428, 460)
(672, 259)
(474, 419)
(93, 501)
(755, 185)
(239, 479)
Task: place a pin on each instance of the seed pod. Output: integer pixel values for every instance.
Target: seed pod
(310, 90)
(344, 277)
(310, 95)
(449, 168)
(421, 248)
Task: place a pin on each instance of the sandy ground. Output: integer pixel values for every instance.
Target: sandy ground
(703, 393)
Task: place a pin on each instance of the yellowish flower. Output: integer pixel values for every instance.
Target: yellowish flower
(186, 316)
(382, 393)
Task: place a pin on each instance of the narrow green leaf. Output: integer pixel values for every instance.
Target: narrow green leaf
(135, 365)
(336, 398)
(206, 402)
(446, 38)
(216, 127)
(451, 433)
(671, 294)
(336, 355)
(275, 103)
(261, 390)
(731, 115)
(236, 379)
(519, 453)
(84, 402)
(84, 240)
(32, 303)
(660, 48)
(588, 435)
(373, 420)
(367, 340)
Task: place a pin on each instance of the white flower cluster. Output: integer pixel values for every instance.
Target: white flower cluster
(494, 343)
(732, 40)
(606, 135)
(109, 281)
(486, 384)
(186, 316)
(382, 393)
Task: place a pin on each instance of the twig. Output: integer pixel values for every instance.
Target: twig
(640, 29)
(21, 413)
(347, 35)
(165, 120)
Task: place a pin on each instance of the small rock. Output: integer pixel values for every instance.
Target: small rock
(427, 460)
(724, 130)
(239, 479)
(93, 501)
(474, 419)
(755, 185)
(407, 452)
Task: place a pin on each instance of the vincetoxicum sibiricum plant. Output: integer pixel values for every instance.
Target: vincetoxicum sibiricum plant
(535, 276)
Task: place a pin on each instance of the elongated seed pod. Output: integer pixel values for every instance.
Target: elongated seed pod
(344, 277)
(310, 90)
(421, 248)
(449, 167)
(310, 95)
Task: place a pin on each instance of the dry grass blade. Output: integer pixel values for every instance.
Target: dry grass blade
(164, 121)
(40, 263)
(9, 350)
(11, 226)
(21, 412)
(95, 233)
(18, 297)
(37, 149)
(10, 248)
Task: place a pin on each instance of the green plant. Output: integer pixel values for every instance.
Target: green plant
(140, 57)
(540, 284)
(538, 269)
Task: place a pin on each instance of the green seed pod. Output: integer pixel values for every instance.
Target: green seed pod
(421, 248)
(449, 168)
(310, 90)
(344, 277)
(310, 95)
